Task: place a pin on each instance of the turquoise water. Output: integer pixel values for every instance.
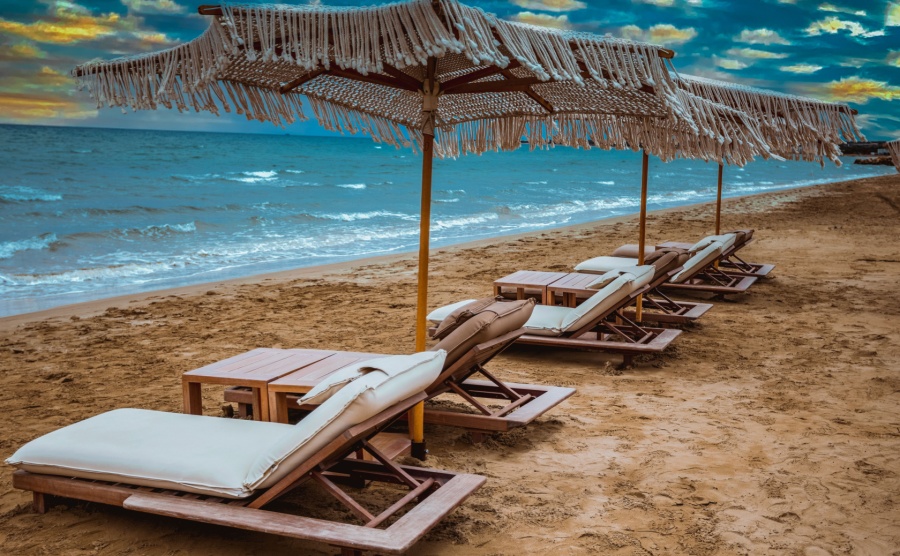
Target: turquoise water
(92, 213)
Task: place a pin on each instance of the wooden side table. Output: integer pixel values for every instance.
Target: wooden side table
(570, 287)
(302, 381)
(527, 279)
(254, 369)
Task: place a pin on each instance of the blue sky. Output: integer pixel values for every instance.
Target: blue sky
(846, 50)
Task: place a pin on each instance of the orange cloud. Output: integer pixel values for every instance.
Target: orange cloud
(663, 33)
(543, 20)
(21, 51)
(69, 23)
(755, 54)
(154, 6)
(550, 5)
(832, 25)
(892, 17)
(855, 89)
(30, 108)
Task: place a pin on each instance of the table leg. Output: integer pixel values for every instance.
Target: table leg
(278, 407)
(193, 403)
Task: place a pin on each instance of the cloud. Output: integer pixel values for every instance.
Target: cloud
(893, 58)
(728, 63)
(659, 34)
(832, 25)
(20, 51)
(550, 5)
(761, 36)
(892, 16)
(32, 108)
(154, 6)
(662, 3)
(801, 68)
(854, 89)
(543, 20)
(69, 23)
(828, 7)
(755, 54)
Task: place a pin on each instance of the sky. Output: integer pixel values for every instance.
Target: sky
(844, 51)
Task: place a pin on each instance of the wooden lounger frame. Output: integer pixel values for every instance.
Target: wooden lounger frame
(713, 280)
(732, 262)
(435, 494)
(614, 332)
(524, 402)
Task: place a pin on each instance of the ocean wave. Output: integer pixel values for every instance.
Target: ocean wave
(10, 248)
(22, 194)
(295, 171)
(607, 182)
(93, 274)
(354, 216)
(352, 185)
(155, 231)
(446, 200)
(438, 225)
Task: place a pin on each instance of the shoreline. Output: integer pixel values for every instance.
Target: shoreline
(335, 270)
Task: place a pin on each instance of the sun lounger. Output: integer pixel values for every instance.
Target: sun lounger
(186, 466)
(728, 260)
(698, 273)
(599, 323)
(657, 306)
(484, 333)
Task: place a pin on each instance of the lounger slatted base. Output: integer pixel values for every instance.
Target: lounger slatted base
(395, 539)
(659, 340)
(742, 268)
(684, 312)
(731, 285)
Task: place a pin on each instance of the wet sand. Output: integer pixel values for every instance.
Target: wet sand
(772, 427)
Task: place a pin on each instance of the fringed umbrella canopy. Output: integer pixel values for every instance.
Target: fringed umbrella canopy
(894, 148)
(387, 71)
(794, 127)
(436, 74)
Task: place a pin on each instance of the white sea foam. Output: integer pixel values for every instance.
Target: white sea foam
(352, 185)
(353, 216)
(18, 193)
(10, 248)
(157, 231)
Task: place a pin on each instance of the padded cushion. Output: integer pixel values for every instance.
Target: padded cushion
(195, 453)
(668, 261)
(554, 321)
(461, 315)
(605, 279)
(399, 377)
(500, 318)
(390, 365)
(600, 265)
(698, 262)
(441, 313)
(631, 250)
(742, 236)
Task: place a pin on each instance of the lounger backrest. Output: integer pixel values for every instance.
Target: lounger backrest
(398, 378)
(495, 320)
(726, 239)
(698, 262)
(608, 298)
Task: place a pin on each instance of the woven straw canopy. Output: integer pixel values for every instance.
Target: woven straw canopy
(794, 127)
(392, 71)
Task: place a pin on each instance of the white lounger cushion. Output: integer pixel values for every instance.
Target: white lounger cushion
(727, 240)
(599, 265)
(212, 455)
(439, 314)
(698, 261)
(554, 321)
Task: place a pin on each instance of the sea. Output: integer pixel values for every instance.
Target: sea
(93, 213)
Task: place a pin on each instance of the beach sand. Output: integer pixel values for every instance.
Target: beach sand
(772, 427)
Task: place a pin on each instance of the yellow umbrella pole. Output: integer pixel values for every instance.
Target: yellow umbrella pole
(417, 413)
(645, 163)
(431, 91)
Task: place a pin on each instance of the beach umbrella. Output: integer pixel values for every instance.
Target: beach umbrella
(794, 127)
(435, 75)
(894, 148)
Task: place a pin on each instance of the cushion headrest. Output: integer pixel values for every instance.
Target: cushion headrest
(461, 315)
(493, 321)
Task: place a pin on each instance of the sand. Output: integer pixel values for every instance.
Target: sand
(772, 427)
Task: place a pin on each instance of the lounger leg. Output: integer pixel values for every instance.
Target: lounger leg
(39, 502)
(350, 552)
(627, 361)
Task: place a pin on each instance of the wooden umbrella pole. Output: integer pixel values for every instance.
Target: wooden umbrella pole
(719, 202)
(719, 208)
(645, 163)
(431, 91)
